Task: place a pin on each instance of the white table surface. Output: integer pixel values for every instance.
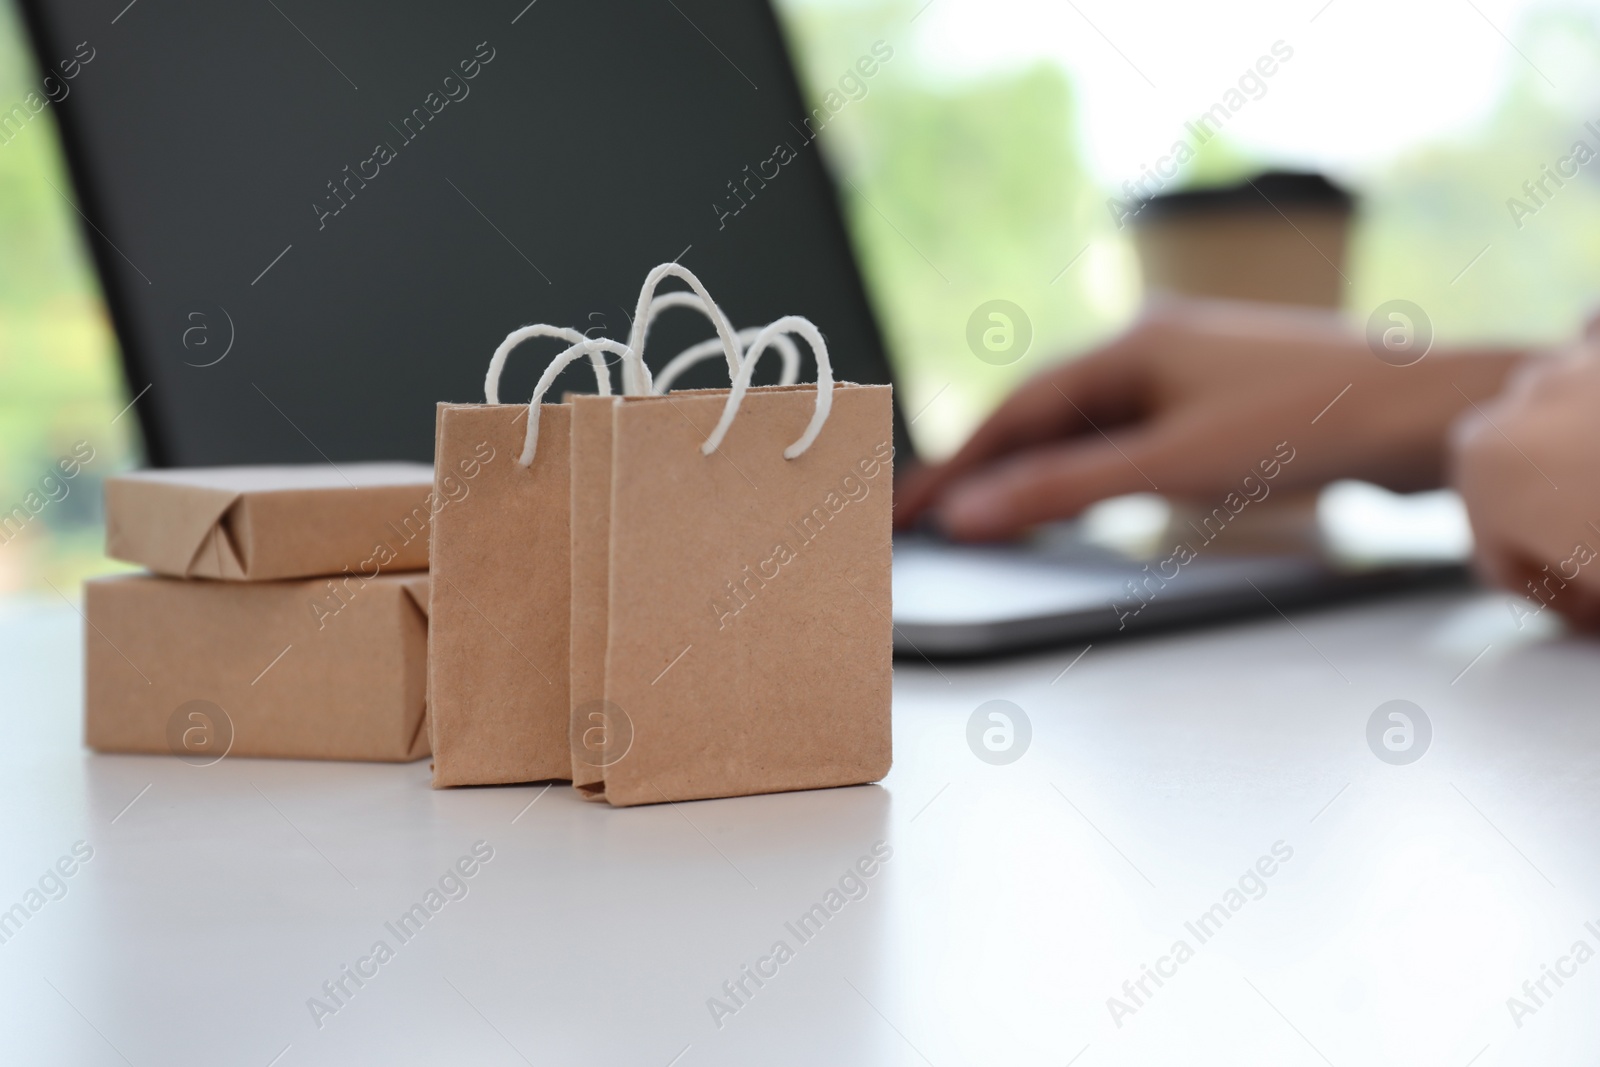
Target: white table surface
(1017, 900)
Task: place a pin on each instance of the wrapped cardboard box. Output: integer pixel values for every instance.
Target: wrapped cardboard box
(266, 523)
(321, 669)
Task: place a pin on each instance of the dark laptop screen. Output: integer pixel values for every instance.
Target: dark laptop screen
(313, 221)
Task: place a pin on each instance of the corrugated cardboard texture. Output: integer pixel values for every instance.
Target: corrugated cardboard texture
(347, 682)
(591, 547)
(497, 656)
(748, 625)
(267, 523)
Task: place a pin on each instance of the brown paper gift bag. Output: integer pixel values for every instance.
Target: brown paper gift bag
(265, 523)
(497, 651)
(591, 497)
(498, 657)
(296, 669)
(747, 617)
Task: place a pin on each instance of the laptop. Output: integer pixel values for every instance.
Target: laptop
(313, 222)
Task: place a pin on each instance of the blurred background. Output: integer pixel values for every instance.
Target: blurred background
(979, 163)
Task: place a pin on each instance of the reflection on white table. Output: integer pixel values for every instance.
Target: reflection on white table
(1214, 789)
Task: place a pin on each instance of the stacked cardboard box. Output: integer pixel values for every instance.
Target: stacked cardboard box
(285, 614)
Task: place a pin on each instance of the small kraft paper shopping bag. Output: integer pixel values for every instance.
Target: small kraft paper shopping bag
(498, 606)
(498, 650)
(747, 575)
(591, 497)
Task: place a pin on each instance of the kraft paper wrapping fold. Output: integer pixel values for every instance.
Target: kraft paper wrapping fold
(322, 669)
(266, 523)
(497, 657)
(748, 643)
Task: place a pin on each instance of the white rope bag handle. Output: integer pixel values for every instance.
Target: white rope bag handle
(706, 349)
(679, 363)
(646, 310)
(765, 339)
(586, 346)
(636, 378)
(497, 362)
(699, 300)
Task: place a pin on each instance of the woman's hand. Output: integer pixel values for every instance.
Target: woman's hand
(1528, 467)
(1192, 399)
